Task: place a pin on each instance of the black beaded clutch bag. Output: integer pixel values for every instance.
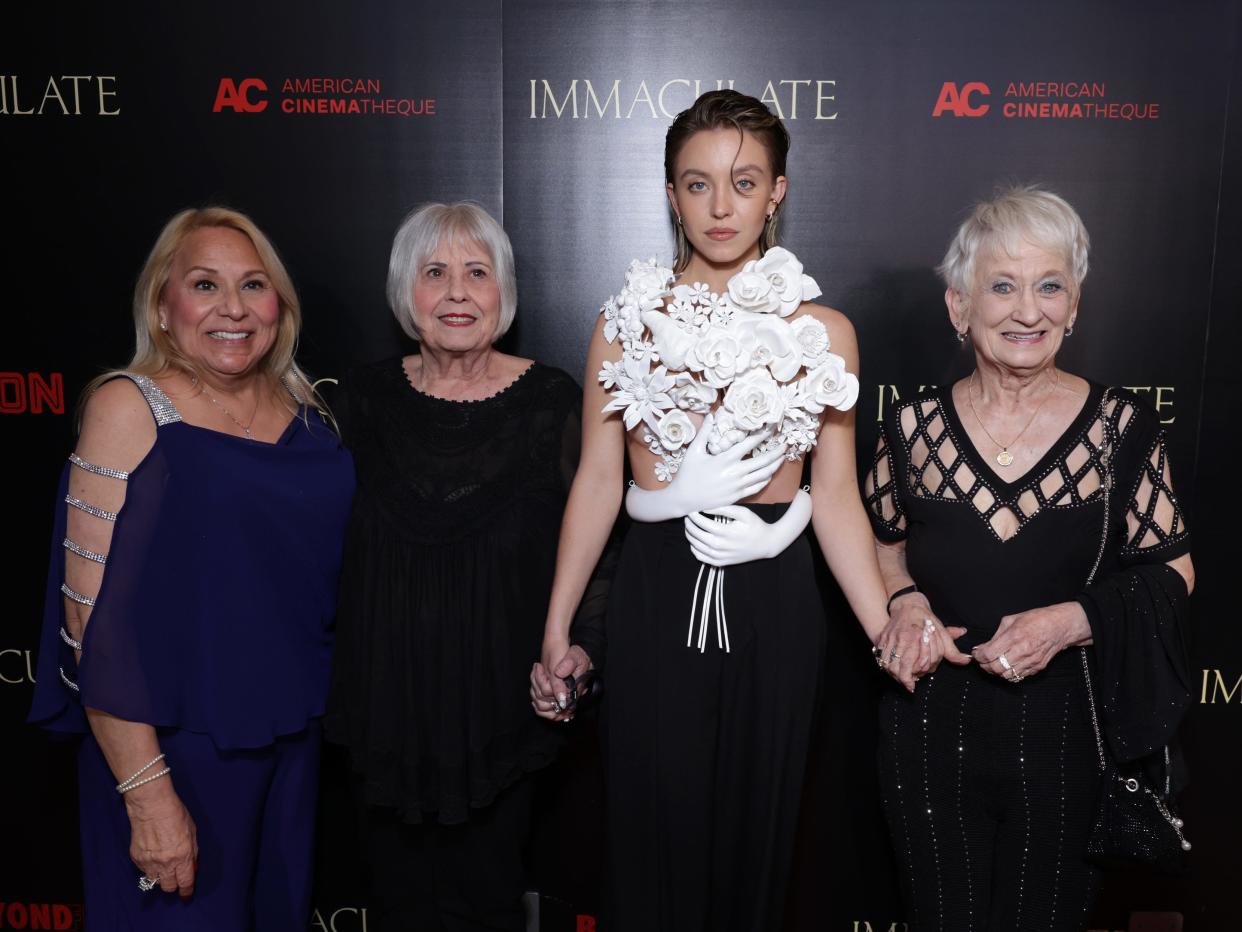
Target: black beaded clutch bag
(1135, 823)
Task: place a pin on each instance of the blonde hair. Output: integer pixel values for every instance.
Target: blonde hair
(1013, 214)
(154, 349)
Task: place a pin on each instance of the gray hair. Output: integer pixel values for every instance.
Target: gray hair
(1009, 216)
(422, 232)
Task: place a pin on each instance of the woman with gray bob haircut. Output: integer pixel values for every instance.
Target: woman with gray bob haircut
(464, 456)
(1027, 511)
(422, 232)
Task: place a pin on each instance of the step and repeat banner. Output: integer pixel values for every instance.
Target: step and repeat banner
(327, 124)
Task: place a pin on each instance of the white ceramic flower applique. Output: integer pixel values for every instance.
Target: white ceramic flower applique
(687, 349)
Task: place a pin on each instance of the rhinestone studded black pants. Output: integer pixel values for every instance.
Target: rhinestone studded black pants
(989, 789)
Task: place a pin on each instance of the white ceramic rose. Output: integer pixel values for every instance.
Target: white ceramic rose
(647, 279)
(751, 291)
(812, 338)
(754, 399)
(675, 430)
(689, 394)
(783, 272)
(769, 341)
(716, 356)
(829, 385)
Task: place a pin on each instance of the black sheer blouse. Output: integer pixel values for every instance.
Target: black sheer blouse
(449, 559)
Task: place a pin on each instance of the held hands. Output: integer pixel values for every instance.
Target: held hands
(550, 696)
(745, 536)
(706, 481)
(914, 641)
(1025, 643)
(163, 839)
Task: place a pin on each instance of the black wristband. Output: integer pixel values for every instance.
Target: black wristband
(905, 590)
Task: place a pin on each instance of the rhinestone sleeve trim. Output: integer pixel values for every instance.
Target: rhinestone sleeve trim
(162, 409)
(68, 639)
(90, 509)
(68, 682)
(98, 470)
(76, 596)
(81, 551)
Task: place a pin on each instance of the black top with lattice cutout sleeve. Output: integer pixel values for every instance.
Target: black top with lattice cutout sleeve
(981, 547)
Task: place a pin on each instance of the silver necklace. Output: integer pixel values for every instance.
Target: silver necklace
(245, 428)
(1004, 457)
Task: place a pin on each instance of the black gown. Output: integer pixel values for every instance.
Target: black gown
(989, 786)
(449, 557)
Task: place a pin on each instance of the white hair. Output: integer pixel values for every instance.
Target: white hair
(1024, 212)
(423, 231)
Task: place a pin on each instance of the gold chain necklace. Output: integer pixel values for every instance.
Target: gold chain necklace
(245, 428)
(1004, 457)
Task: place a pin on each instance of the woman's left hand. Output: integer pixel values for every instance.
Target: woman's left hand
(1025, 643)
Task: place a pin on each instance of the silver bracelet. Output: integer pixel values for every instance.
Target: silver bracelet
(128, 782)
(155, 776)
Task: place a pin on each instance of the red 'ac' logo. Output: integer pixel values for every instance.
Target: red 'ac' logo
(958, 102)
(236, 97)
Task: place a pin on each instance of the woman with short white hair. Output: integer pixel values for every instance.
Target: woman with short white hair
(991, 502)
(464, 456)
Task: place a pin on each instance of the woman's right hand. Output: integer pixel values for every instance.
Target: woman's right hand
(914, 641)
(163, 840)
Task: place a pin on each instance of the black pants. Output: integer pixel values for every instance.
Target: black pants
(449, 878)
(989, 788)
(705, 751)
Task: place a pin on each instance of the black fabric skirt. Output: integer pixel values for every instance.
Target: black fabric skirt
(705, 749)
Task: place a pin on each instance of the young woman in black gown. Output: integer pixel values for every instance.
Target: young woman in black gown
(988, 502)
(706, 731)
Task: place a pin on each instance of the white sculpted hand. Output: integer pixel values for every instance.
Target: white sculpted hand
(745, 536)
(706, 481)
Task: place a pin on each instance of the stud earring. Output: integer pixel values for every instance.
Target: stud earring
(164, 325)
(679, 219)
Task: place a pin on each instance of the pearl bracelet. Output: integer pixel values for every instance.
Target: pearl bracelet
(128, 783)
(155, 776)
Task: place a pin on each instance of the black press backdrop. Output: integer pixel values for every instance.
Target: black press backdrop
(328, 123)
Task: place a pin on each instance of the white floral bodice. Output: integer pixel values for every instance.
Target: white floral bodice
(686, 349)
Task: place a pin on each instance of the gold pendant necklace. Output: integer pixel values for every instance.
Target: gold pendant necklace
(1004, 457)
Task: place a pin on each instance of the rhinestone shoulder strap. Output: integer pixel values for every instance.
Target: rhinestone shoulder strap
(162, 408)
